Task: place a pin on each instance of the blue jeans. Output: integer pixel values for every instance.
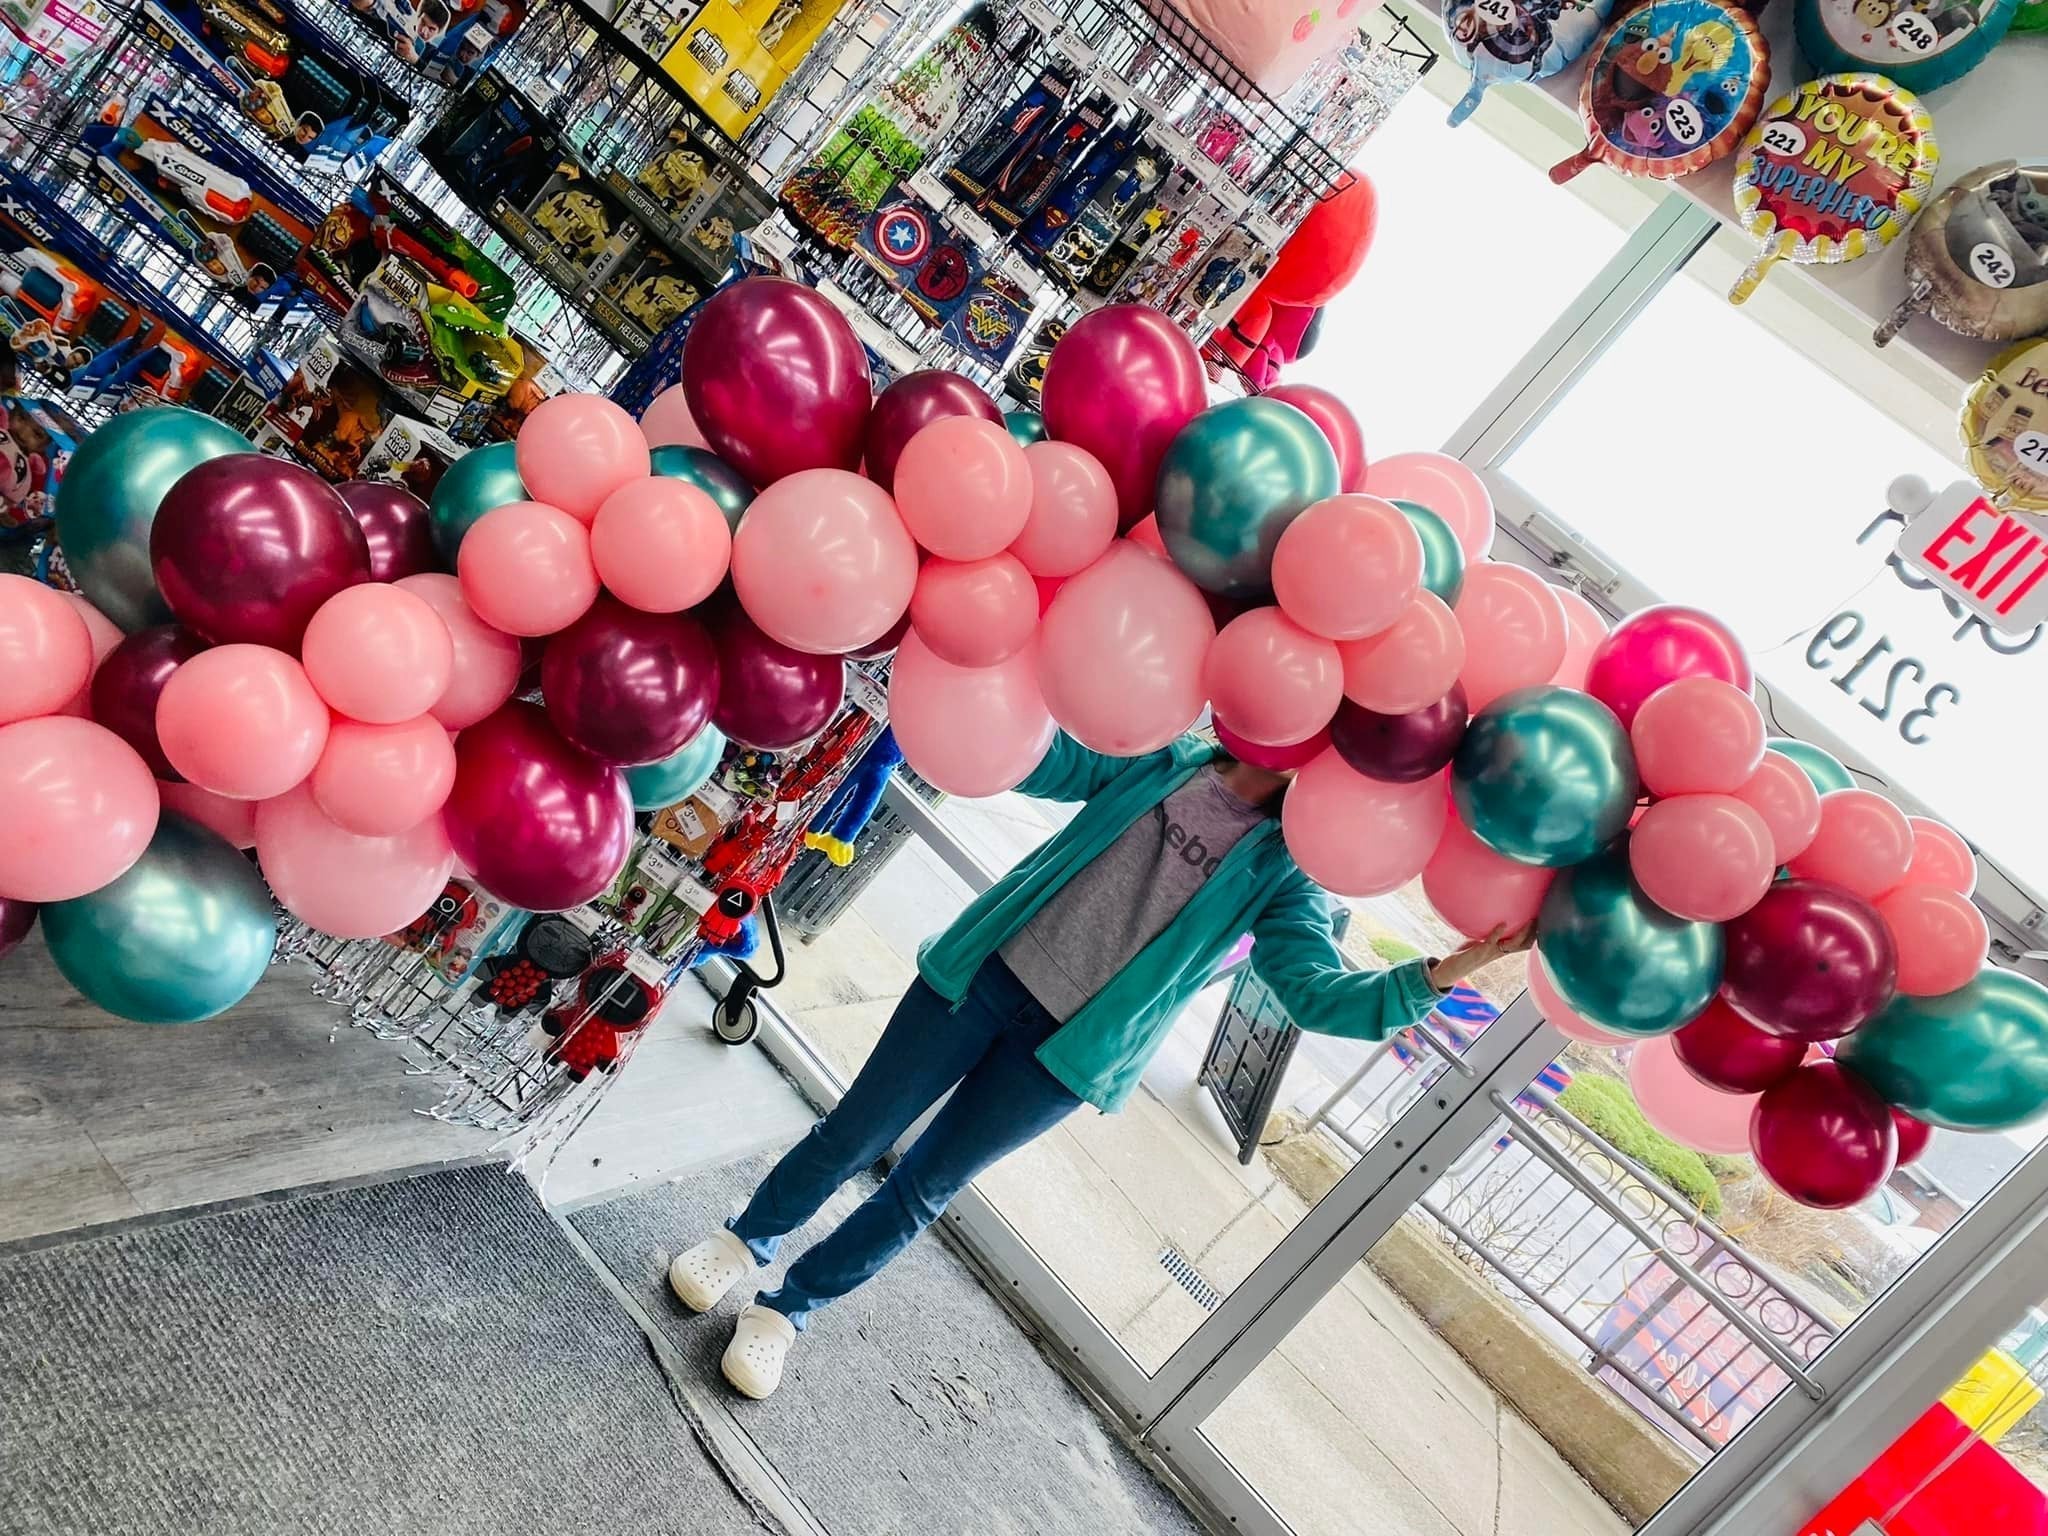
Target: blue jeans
(1003, 1099)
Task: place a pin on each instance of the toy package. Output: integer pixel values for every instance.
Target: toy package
(382, 219)
(922, 257)
(429, 343)
(1012, 137)
(1028, 182)
(646, 293)
(1073, 242)
(653, 26)
(414, 454)
(734, 55)
(37, 438)
(1156, 213)
(329, 414)
(449, 41)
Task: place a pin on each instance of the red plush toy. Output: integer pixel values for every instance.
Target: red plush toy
(1325, 252)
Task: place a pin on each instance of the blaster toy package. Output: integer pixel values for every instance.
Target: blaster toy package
(429, 342)
(381, 220)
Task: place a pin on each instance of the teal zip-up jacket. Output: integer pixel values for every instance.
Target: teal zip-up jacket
(1258, 889)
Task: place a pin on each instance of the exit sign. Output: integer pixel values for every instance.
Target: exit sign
(1993, 562)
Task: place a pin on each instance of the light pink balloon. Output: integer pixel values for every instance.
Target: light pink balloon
(1120, 652)
(1560, 1015)
(1356, 836)
(525, 568)
(964, 488)
(77, 808)
(46, 651)
(1683, 1107)
(344, 883)
(1584, 629)
(1410, 664)
(1705, 858)
(1781, 793)
(106, 634)
(381, 779)
(1514, 631)
(244, 722)
(378, 653)
(667, 423)
(975, 613)
(1475, 890)
(487, 661)
(1941, 937)
(660, 544)
(1145, 534)
(822, 562)
(234, 820)
(575, 450)
(1447, 487)
(1697, 736)
(1073, 510)
(1271, 679)
(1940, 857)
(1347, 567)
(969, 730)
(1864, 844)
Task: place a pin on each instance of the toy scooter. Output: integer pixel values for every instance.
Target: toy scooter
(734, 1018)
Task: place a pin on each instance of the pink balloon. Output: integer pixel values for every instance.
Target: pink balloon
(1410, 664)
(344, 883)
(242, 721)
(1447, 487)
(1120, 653)
(487, 661)
(1355, 836)
(1347, 567)
(969, 730)
(1284, 758)
(1683, 1107)
(1940, 935)
(1274, 681)
(1584, 629)
(1475, 890)
(46, 651)
(77, 807)
(1338, 424)
(1697, 736)
(378, 653)
(575, 450)
(1551, 1004)
(1705, 858)
(1781, 793)
(1514, 631)
(106, 634)
(1659, 645)
(660, 544)
(822, 563)
(964, 488)
(234, 820)
(667, 423)
(525, 568)
(1145, 534)
(381, 779)
(1940, 857)
(975, 613)
(1864, 844)
(1073, 510)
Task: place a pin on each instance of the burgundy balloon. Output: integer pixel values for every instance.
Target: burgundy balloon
(16, 918)
(245, 548)
(1913, 1134)
(1399, 749)
(125, 688)
(874, 650)
(1121, 384)
(770, 696)
(541, 823)
(913, 403)
(776, 380)
(396, 526)
(629, 687)
(1724, 1050)
(1824, 1137)
(1809, 960)
(1338, 424)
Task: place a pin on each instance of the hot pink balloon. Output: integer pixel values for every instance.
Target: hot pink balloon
(1273, 680)
(1334, 417)
(1449, 488)
(344, 883)
(1683, 1107)
(1781, 793)
(1514, 631)
(1347, 567)
(1120, 653)
(46, 653)
(667, 422)
(1475, 890)
(1355, 836)
(242, 721)
(1284, 758)
(575, 450)
(1656, 646)
(1073, 510)
(822, 562)
(487, 661)
(1584, 629)
(975, 613)
(381, 779)
(969, 730)
(77, 808)
(234, 820)
(378, 653)
(526, 569)
(1864, 844)
(660, 544)
(964, 488)
(1410, 664)
(1940, 857)
(1940, 935)
(1705, 858)
(1697, 736)
(1121, 383)
(1560, 1015)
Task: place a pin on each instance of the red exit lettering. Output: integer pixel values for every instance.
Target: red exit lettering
(1990, 558)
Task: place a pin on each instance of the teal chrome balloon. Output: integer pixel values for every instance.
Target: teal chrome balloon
(1027, 427)
(1545, 776)
(1618, 958)
(711, 475)
(186, 933)
(1443, 557)
(109, 497)
(655, 786)
(1975, 1059)
(1231, 482)
(481, 480)
(1826, 772)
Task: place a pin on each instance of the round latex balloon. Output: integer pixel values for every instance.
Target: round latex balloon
(1656, 646)
(1678, 1104)
(1338, 426)
(1558, 1013)
(1027, 427)
(1584, 630)
(1514, 630)
(912, 403)
(481, 481)
(1544, 776)
(1781, 793)
(1446, 486)
(378, 653)
(660, 544)
(656, 786)
(46, 651)
(771, 696)
(975, 613)
(630, 687)
(1824, 1137)
(132, 678)
(1443, 558)
(1347, 567)
(1281, 759)
(964, 488)
(574, 450)
(1822, 770)
(1500, 40)
(1122, 383)
(823, 563)
(1400, 749)
(381, 779)
(1940, 935)
(1619, 960)
(77, 807)
(16, 919)
(1921, 46)
(1913, 1136)
(1698, 736)
(968, 730)
(1975, 1059)
(1972, 258)
(1410, 664)
(1705, 857)
(397, 528)
(1810, 961)
(1355, 836)
(710, 474)
(234, 820)
(1120, 653)
(1475, 890)
(667, 422)
(2003, 440)
(242, 721)
(526, 568)
(1940, 857)
(1073, 511)
(1863, 844)
(1232, 481)
(1725, 1051)
(487, 661)
(1274, 680)
(345, 883)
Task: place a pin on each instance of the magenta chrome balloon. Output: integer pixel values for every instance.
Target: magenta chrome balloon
(769, 695)
(396, 526)
(910, 405)
(126, 686)
(629, 687)
(1121, 384)
(1809, 960)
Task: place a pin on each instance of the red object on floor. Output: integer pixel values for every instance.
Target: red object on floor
(1979, 1491)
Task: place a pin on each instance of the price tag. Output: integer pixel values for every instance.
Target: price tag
(1913, 32)
(657, 871)
(1020, 272)
(923, 184)
(2031, 449)
(1080, 53)
(718, 800)
(695, 895)
(689, 821)
(1991, 265)
(645, 967)
(866, 693)
(1683, 122)
(973, 226)
(1265, 229)
(1784, 140)
(1039, 15)
(586, 918)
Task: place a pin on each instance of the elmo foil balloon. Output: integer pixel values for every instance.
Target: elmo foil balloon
(1518, 40)
(1977, 259)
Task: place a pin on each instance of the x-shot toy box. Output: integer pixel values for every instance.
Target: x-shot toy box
(381, 219)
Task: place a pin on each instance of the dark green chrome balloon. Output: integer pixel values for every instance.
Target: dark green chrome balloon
(1545, 776)
(1618, 958)
(1823, 768)
(655, 786)
(1443, 558)
(1231, 482)
(1975, 1059)
(481, 480)
(1027, 427)
(711, 475)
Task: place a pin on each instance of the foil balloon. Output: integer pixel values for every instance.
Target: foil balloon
(1619, 960)
(1920, 45)
(1833, 170)
(1518, 40)
(1975, 1059)
(1977, 258)
(482, 480)
(1671, 87)
(2005, 440)
(1231, 482)
(711, 475)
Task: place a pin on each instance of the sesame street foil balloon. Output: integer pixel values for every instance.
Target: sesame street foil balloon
(1921, 44)
(1518, 40)
(1832, 171)
(2005, 427)
(1977, 259)
(1672, 86)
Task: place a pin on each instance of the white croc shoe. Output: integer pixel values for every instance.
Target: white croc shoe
(703, 1274)
(760, 1344)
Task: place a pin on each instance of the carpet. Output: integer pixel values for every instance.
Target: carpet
(427, 1355)
(914, 1405)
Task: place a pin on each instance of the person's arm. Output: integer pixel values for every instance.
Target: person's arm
(1069, 771)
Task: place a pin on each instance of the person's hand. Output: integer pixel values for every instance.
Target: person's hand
(1460, 963)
